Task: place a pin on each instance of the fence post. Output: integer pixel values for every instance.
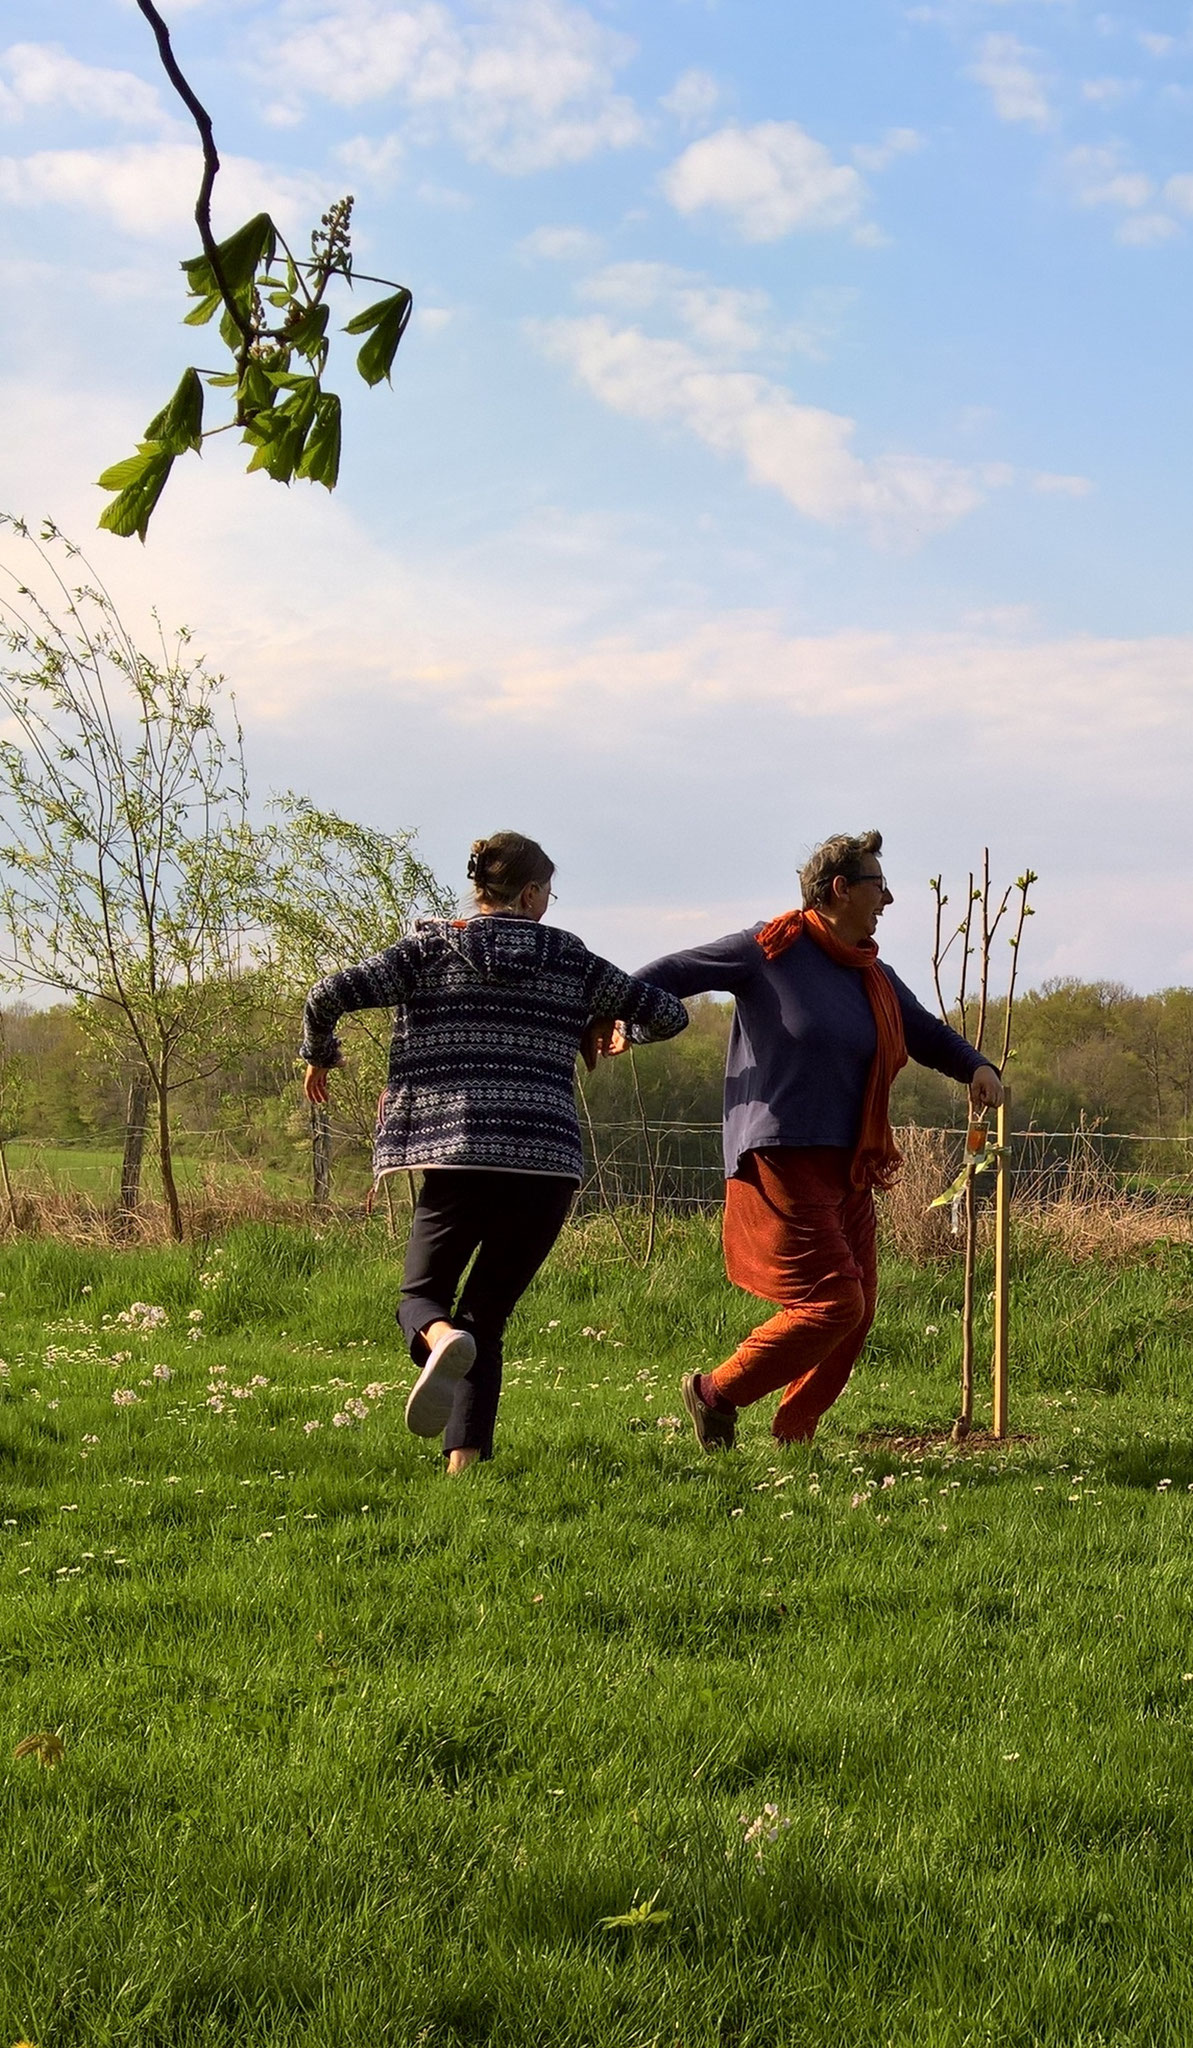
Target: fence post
(1002, 1265)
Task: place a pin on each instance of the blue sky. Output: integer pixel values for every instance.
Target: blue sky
(793, 433)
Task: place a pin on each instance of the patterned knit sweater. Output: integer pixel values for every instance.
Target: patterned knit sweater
(488, 1018)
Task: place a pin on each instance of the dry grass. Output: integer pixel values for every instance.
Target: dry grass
(910, 1226)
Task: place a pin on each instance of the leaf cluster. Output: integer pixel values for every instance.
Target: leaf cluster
(274, 318)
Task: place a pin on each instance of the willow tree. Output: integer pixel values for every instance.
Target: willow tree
(337, 893)
(128, 860)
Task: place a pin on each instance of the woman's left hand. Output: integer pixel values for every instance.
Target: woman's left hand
(314, 1084)
(985, 1090)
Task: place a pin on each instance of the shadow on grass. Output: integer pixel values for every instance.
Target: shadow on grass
(1146, 1464)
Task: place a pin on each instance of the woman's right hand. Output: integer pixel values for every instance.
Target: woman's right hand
(314, 1084)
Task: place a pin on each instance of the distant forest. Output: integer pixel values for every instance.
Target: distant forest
(1081, 1050)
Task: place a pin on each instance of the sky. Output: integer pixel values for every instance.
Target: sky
(792, 434)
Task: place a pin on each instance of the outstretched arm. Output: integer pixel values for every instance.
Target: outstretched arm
(377, 984)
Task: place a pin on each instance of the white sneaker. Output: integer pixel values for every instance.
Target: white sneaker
(429, 1408)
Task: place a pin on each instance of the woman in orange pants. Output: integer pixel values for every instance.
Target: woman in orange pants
(820, 1030)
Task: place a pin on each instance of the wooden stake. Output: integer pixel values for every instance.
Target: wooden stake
(1002, 1265)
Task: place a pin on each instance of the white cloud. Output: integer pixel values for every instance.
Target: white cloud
(1145, 230)
(1156, 45)
(801, 451)
(1101, 177)
(561, 245)
(1016, 89)
(895, 143)
(693, 98)
(1061, 486)
(770, 180)
(378, 161)
(43, 76)
(148, 189)
(1107, 92)
(1179, 192)
(724, 320)
(474, 658)
(527, 85)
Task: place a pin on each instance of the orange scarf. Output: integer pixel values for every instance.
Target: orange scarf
(876, 1159)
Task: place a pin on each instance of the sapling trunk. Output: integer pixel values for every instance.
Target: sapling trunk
(135, 1125)
(320, 1155)
(8, 1194)
(964, 1422)
(165, 1150)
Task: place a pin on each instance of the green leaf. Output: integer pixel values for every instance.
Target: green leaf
(642, 1915)
(230, 333)
(385, 324)
(240, 257)
(201, 314)
(279, 435)
(982, 1163)
(257, 391)
(179, 424)
(308, 331)
(140, 481)
(321, 455)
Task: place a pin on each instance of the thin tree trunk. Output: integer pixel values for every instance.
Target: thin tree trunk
(964, 1422)
(136, 1122)
(320, 1155)
(165, 1152)
(8, 1194)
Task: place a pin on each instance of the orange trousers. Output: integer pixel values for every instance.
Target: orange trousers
(798, 1234)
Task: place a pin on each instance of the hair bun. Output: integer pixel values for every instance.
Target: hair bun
(479, 849)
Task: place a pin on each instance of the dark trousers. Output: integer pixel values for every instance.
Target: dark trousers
(510, 1221)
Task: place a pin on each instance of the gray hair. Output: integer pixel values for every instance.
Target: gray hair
(842, 855)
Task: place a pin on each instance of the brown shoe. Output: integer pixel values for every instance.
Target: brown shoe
(714, 1427)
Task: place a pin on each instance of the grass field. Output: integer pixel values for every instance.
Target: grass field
(354, 1754)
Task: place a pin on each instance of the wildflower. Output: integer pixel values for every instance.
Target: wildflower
(86, 1290)
(90, 1439)
(373, 1392)
(765, 1827)
(358, 1408)
(162, 1372)
(124, 1397)
(216, 1403)
(857, 1500)
(194, 1315)
(341, 1421)
(888, 1481)
(309, 1427)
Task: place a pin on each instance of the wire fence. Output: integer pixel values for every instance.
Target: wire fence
(679, 1166)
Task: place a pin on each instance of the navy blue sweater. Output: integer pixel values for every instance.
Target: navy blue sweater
(488, 1017)
(802, 1041)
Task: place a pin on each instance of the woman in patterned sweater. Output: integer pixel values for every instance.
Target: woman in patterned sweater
(490, 1012)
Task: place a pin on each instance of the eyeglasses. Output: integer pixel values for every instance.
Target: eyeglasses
(880, 879)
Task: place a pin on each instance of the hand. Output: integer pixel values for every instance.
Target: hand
(314, 1084)
(985, 1091)
(603, 1039)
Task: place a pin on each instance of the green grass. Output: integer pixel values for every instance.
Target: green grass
(354, 1754)
(94, 1171)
